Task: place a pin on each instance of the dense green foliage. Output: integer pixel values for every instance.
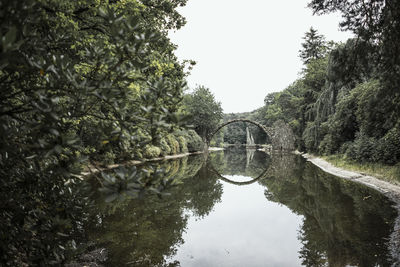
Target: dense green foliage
(234, 133)
(347, 99)
(342, 103)
(204, 111)
(374, 22)
(82, 82)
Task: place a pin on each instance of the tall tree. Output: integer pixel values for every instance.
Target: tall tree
(314, 46)
(376, 22)
(205, 111)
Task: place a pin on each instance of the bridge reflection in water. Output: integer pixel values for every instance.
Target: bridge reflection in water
(249, 158)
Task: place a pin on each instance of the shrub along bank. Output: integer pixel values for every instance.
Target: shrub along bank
(179, 142)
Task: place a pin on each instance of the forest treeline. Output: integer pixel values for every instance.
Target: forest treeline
(347, 98)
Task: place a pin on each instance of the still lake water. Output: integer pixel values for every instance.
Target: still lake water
(246, 208)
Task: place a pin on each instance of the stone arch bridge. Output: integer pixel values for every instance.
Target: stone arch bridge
(281, 135)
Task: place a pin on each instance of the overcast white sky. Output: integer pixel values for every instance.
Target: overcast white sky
(247, 49)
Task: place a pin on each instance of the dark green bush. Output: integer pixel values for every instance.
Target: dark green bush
(165, 148)
(327, 145)
(173, 144)
(368, 149)
(388, 147)
(194, 142)
(151, 152)
(363, 149)
(345, 148)
(310, 137)
(182, 144)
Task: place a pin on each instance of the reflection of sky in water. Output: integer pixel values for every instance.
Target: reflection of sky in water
(244, 229)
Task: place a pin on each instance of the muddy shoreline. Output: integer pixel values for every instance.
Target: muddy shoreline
(391, 191)
(91, 169)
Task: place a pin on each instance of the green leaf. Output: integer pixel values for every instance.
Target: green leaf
(54, 132)
(103, 12)
(9, 38)
(120, 171)
(111, 197)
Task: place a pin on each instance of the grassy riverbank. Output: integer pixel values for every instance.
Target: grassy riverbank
(384, 172)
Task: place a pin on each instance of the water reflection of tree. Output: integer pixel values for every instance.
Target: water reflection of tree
(344, 223)
(204, 192)
(146, 231)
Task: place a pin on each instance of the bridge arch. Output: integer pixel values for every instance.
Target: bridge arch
(269, 131)
(263, 175)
